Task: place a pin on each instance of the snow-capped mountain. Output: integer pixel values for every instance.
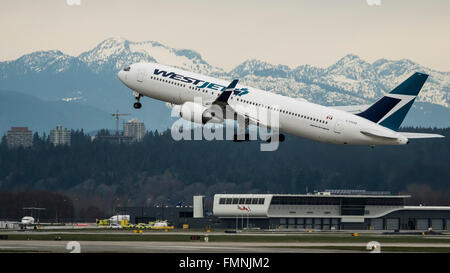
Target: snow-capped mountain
(260, 68)
(115, 53)
(91, 78)
(53, 61)
(351, 80)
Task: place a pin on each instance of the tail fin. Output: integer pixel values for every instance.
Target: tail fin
(390, 110)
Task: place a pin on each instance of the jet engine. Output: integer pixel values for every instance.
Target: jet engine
(198, 113)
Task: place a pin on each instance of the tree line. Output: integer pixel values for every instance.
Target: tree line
(99, 175)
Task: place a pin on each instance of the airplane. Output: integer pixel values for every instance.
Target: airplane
(30, 221)
(371, 125)
(27, 220)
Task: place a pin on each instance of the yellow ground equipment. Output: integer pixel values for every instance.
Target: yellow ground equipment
(124, 223)
(141, 226)
(130, 226)
(104, 222)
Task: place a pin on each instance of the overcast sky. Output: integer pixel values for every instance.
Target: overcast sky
(225, 33)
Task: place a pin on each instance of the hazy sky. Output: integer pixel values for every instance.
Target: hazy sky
(225, 33)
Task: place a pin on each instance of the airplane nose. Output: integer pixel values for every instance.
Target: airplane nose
(121, 76)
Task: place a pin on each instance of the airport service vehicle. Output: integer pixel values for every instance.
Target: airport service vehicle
(103, 222)
(115, 226)
(119, 218)
(372, 125)
(128, 225)
(141, 226)
(160, 225)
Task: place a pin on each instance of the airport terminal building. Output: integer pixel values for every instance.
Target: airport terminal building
(329, 210)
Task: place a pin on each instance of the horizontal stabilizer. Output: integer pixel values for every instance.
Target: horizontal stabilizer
(378, 134)
(420, 135)
(354, 109)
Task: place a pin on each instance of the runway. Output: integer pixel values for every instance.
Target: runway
(191, 247)
(157, 247)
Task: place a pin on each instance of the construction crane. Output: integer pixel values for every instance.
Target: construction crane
(116, 115)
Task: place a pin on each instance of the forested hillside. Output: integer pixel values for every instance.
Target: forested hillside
(161, 170)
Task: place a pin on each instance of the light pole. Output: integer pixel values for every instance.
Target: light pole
(248, 213)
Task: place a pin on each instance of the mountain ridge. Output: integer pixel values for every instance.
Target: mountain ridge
(91, 77)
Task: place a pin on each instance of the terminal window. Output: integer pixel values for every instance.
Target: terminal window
(241, 201)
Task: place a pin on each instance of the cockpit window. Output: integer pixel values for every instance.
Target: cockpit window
(127, 68)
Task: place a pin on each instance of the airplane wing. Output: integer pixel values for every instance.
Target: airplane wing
(253, 120)
(222, 99)
(420, 135)
(222, 102)
(354, 109)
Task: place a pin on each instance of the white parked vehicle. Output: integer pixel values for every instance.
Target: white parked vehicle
(159, 224)
(115, 226)
(116, 219)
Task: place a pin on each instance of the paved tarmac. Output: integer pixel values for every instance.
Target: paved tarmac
(188, 247)
(155, 247)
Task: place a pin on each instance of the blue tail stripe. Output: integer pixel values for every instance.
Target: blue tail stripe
(394, 121)
(379, 109)
(412, 85)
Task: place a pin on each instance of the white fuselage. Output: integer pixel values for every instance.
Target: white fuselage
(27, 220)
(296, 117)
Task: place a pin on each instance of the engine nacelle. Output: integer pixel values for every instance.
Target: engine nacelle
(198, 113)
(281, 138)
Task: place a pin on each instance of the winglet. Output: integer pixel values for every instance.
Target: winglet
(223, 98)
